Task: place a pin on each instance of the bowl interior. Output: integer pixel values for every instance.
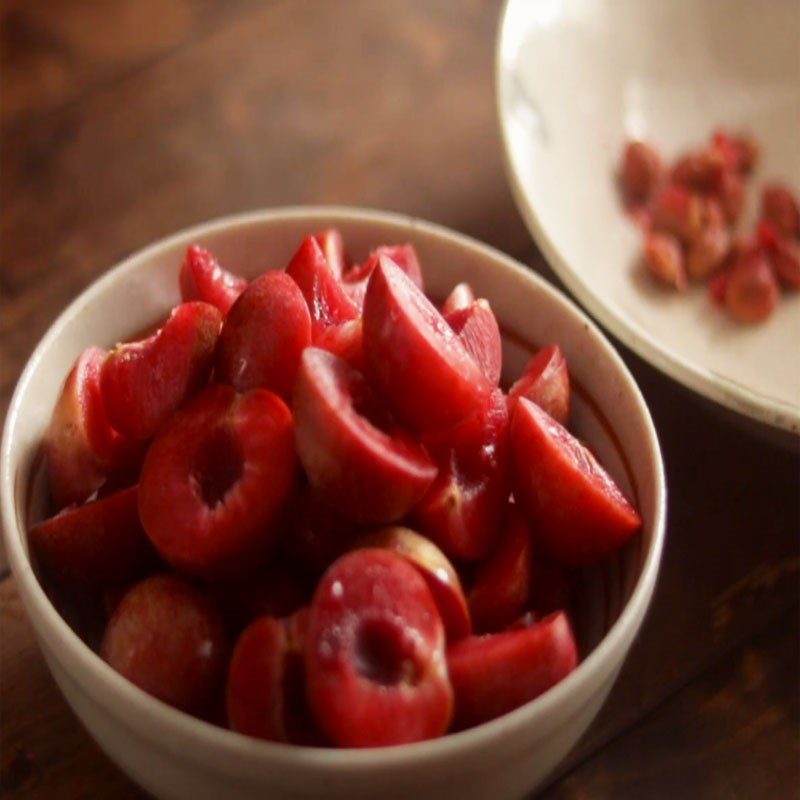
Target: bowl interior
(609, 413)
(575, 80)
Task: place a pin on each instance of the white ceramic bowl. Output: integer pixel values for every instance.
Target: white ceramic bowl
(174, 755)
(575, 79)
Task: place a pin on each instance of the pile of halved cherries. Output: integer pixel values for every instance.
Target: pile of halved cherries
(688, 214)
(312, 514)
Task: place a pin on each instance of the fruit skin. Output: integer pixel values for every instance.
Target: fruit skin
(679, 212)
(364, 473)
(144, 382)
(464, 508)
(642, 169)
(751, 291)
(215, 480)
(437, 571)
(413, 356)
(315, 535)
(462, 296)
(375, 663)
(780, 208)
(265, 689)
(502, 589)
(707, 252)
(264, 335)
(577, 513)
(327, 300)
(479, 332)
(94, 546)
(402, 255)
(494, 674)
(202, 278)
(545, 382)
(663, 257)
(168, 639)
(81, 448)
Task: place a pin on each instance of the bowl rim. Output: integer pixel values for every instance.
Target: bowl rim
(68, 646)
(735, 396)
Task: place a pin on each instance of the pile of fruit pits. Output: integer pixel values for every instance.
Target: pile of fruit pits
(311, 512)
(688, 214)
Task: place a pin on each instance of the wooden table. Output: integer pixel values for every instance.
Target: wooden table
(123, 122)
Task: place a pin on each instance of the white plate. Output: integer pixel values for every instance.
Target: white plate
(575, 79)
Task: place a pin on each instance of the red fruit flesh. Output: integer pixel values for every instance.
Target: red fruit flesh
(402, 255)
(494, 674)
(413, 356)
(462, 296)
(375, 665)
(96, 545)
(144, 382)
(503, 587)
(202, 278)
(263, 336)
(751, 292)
(577, 513)
(364, 473)
(436, 570)
(81, 447)
(215, 479)
(332, 245)
(345, 340)
(327, 301)
(545, 382)
(464, 508)
(168, 639)
(479, 332)
(265, 693)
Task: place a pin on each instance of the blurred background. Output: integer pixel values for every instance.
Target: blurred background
(123, 121)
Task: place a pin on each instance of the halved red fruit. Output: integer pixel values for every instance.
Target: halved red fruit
(462, 296)
(365, 473)
(327, 301)
(577, 512)
(345, 340)
(403, 255)
(780, 207)
(494, 674)
(463, 510)
(678, 211)
(332, 245)
(502, 590)
(81, 448)
(479, 332)
(545, 382)
(263, 336)
(414, 357)
(144, 382)
(265, 694)
(94, 546)
(166, 637)
(375, 663)
(751, 291)
(437, 571)
(202, 278)
(783, 255)
(215, 479)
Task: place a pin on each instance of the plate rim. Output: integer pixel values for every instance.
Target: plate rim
(702, 381)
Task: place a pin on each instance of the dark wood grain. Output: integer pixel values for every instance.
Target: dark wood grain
(734, 730)
(220, 107)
